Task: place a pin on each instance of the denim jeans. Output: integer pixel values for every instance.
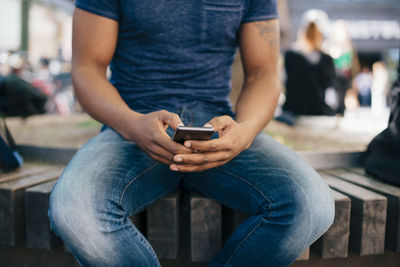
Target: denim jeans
(110, 178)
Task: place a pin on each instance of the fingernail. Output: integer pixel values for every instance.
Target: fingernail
(174, 168)
(178, 159)
(188, 144)
(181, 124)
(207, 125)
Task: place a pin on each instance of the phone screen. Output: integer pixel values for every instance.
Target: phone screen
(184, 133)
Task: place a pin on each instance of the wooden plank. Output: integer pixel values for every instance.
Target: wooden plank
(305, 256)
(163, 226)
(335, 242)
(392, 193)
(231, 219)
(37, 226)
(25, 170)
(359, 170)
(205, 228)
(12, 206)
(47, 154)
(368, 216)
(139, 220)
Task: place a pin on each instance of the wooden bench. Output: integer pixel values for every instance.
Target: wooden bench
(187, 229)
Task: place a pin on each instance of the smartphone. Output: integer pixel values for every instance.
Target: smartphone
(183, 133)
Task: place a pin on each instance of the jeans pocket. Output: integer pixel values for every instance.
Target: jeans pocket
(221, 21)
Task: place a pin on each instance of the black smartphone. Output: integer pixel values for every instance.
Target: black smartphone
(183, 133)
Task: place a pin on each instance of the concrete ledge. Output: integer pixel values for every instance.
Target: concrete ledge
(318, 160)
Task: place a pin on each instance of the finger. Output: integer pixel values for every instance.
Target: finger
(160, 152)
(162, 139)
(201, 158)
(171, 119)
(218, 144)
(158, 158)
(195, 168)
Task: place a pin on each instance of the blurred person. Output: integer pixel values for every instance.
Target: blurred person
(340, 47)
(379, 87)
(309, 71)
(43, 80)
(63, 100)
(166, 71)
(351, 99)
(19, 98)
(362, 83)
(382, 157)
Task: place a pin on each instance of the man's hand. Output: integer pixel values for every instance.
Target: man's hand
(149, 133)
(232, 140)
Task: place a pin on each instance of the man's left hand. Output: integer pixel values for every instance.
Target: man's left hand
(233, 139)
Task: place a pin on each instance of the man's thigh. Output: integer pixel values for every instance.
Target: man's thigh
(266, 176)
(112, 172)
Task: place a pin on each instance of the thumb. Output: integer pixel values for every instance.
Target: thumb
(171, 119)
(218, 123)
(221, 124)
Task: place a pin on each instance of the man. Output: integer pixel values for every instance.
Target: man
(170, 63)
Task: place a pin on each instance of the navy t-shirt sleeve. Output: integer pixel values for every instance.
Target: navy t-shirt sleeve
(104, 8)
(260, 10)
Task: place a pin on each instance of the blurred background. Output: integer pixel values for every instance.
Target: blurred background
(361, 37)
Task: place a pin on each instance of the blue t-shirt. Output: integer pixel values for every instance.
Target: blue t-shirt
(174, 53)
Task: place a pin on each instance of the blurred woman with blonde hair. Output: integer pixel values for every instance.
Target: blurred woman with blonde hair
(309, 71)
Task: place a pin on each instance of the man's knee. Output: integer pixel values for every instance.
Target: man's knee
(323, 210)
(315, 206)
(307, 206)
(65, 212)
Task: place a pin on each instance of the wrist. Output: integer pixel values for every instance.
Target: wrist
(128, 124)
(249, 132)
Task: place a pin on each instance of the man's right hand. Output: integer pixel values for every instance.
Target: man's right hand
(148, 131)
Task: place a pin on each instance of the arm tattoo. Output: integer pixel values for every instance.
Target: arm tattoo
(269, 32)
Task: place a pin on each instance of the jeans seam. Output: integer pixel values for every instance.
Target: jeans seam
(245, 239)
(141, 240)
(134, 179)
(244, 180)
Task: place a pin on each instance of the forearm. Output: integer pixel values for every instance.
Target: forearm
(259, 48)
(257, 102)
(100, 99)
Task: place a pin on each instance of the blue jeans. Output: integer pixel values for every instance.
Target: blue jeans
(110, 179)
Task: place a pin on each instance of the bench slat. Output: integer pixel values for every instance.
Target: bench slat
(368, 216)
(12, 205)
(205, 228)
(335, 242)
(28, 170)
(305, 256)
(139, 220)
(38, 232)
(163, 226)
(356, 176)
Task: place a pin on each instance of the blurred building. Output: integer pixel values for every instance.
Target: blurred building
(373, 25)
(42, 28)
